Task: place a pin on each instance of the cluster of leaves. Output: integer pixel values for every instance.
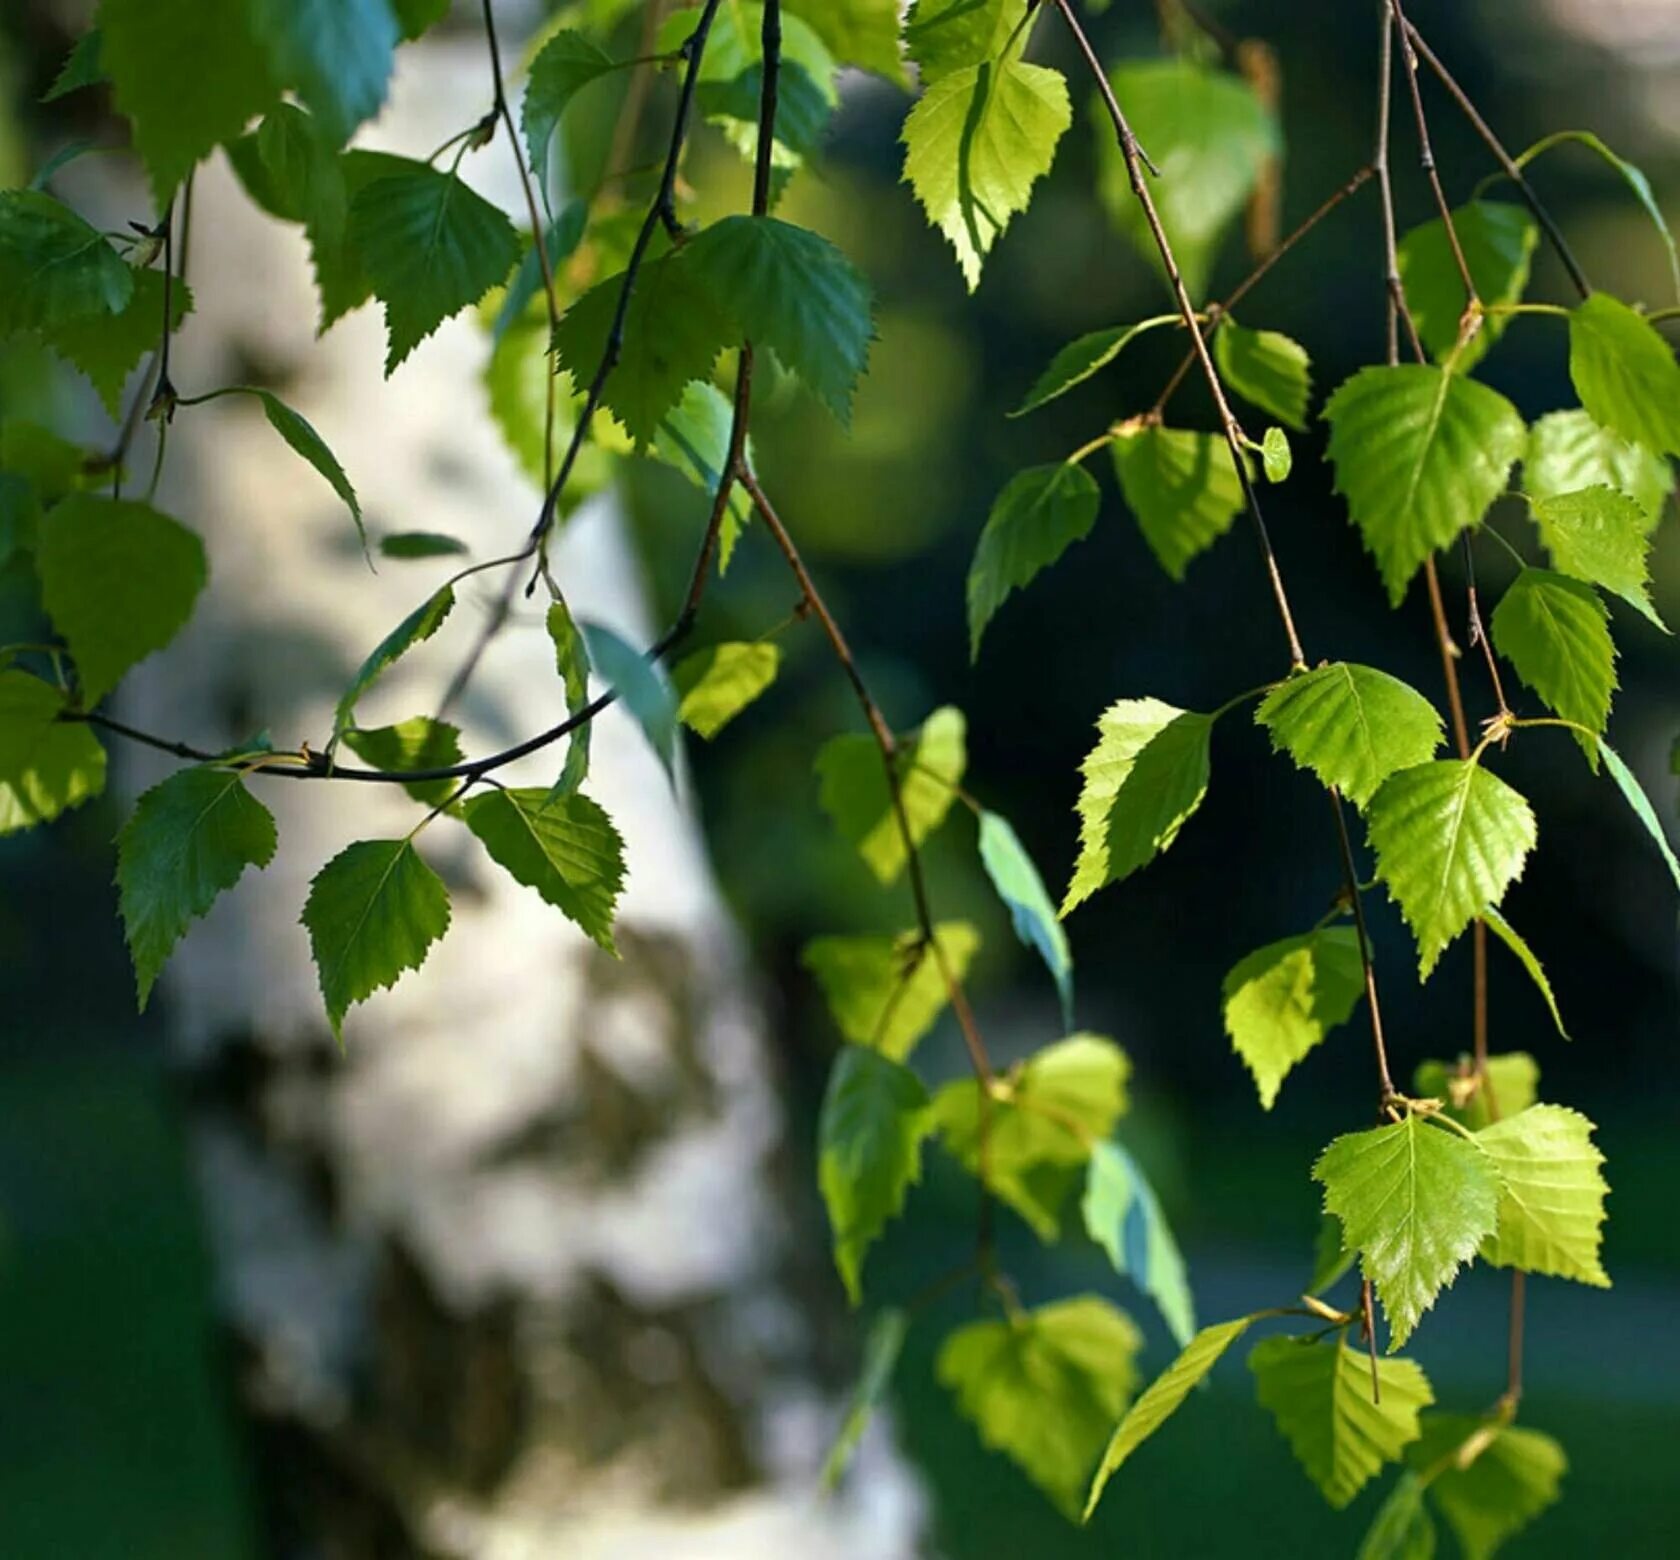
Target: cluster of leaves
(609, 331)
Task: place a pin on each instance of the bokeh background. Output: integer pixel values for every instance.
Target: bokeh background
(115, 1396)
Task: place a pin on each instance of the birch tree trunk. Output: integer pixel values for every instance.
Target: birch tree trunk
(505, 1273)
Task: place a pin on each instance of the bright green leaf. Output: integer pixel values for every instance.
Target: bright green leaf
(1551, 1200)
(1625, 373)
(571, 661)
(885, 992)
(693, 438)
(943, 36)
(1277, 460)
(419, 626)
(46, 765)
(717, 683)
(1123, 1217)
(1601, 537)
(1525, 955)
(1267, 369)
(1497, 242)
(1489, 1480)
(1556, 632)
(1506, 1086)
(336, 53)
(857, 32)
(1031, 910)
(1181, 486)
(297, 431)
(1634, 794)
(1568, 451)
(1083, 357)
(418, 743)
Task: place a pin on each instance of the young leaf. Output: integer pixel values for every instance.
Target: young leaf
(1162, 1399)
(1497, 242)
(975, 145)
(1352, 726)
(108, 347)
(1489, 1480)
(673, 333)
(1556, 632)
(853, 788)
(869, 1147)
(118, 580)
(1283, 999)
(1044, 1387)
(1625, 373)
(1031, 910)
(1061, 1101)
(571, 661)
(717, 683)
(297, 431)
(1181, 486)
(1601, 537)
(1568, 451)
(1508, 934)
(1083, 357)
(54, 267)
(46, 765)
(1450, 838)
(187, 840)
(373, 911)
(337, 54)
(408, 546)
(640, 684)
(419, 743)
(1321, 1396)
(1210, 136)
(1551, 1199)
(419, 626)
(1420, 454)
(1401, 1529)
(429, 247)
(186, 75)
(1122, 1216)
(565, 847)
(1267, 369)
(1505, 1087)
(792, 291)
(1634, 793)
(1415, 1202)
(863, 33)
(885, 992)
(1277, 460)
(1145, 777)
(942, 36)
(564, 66)
(1036, 518)
(881, 1350)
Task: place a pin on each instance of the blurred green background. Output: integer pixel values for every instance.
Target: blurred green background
(117, 1432)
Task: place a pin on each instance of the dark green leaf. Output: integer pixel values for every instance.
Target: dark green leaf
(1625, 373)
(640, 684)
(880, 1358)
(942, 36)
(1497, 242)
(54, 268)
(420, 544)
(298, 432)
(81, 68)
(108, 347)
(1082, 358)
(337, 54)
(419, 626)
(564, 66)
(1488, 1480)
(418, 743)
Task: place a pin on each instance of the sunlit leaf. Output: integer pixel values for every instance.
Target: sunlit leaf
(886, 992)
(1285, 998)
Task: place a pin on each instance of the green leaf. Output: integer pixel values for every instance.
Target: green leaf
(1123, 1217)
(672, 335)
(20, 516)
(108, 347)
(1401, 1529)
(571, 661)
(1634, 794)
(640, 684)
(1210, 136)
(1043, 1123)
(1031, 910)
(408, 546)
(1044, 1387)
(81, 67)
(1181, 486)
(416, 16)
(1145, 777)
(1321, 1396)
(516, 379)
(54, 267)
(1489, 1480)
(418, 743)
(1497, 242)
(693, 438)
(1351, 725)
(1267, 369)
(1513, 940)
(869, 1152)
(46, 765)
(788, 289)
(1082, 358)
(119, 580)
(943, 36)
(429, 247)
(1283, 999)
(187, 840)
(1036, 518)
(419, 626)
(1625, 374)
(565, 847)
(857, 32)
(885, 992)
(1415, 1201)
(337, 54)
(188, 76)
(373, 911)
(853, 788)
(881, 1350)
(1277, 460)
(294, 173)
(717, 683)
(1551, 1200)
(1601, 537)
(1556, 632)
(1508, 1082)
(341, 268)
(564, 66)
(298, 432)
(560, 242)
(1420, 454)
(1568, 451)
(975, 145)
(1162, 1399)
(1450, 838)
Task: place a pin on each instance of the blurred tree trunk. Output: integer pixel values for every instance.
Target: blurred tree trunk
(509, 1274)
